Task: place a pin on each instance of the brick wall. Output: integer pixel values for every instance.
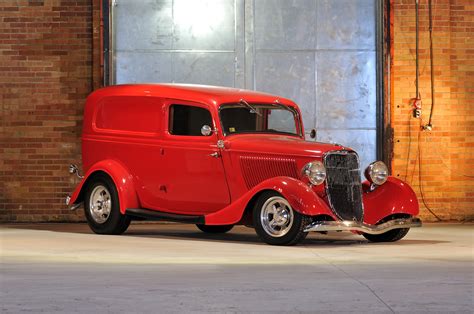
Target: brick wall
(45, 75)
(49, 52)
(447, 152)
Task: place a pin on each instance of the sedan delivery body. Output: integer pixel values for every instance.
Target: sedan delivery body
(217, 157)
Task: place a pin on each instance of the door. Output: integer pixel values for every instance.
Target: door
(193, 178)
(321, 54)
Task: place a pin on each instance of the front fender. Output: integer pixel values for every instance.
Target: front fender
(122, 179)
(300, 196)
(392, 197)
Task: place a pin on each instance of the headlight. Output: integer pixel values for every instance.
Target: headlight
(377, 173)
(315, 172)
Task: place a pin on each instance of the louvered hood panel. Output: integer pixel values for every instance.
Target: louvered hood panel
(258, 168)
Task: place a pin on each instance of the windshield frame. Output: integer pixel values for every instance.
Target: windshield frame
(278, 105)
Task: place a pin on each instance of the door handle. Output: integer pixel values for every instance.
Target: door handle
(215, 154)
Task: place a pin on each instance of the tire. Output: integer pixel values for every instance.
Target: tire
(389, 236)
(284, 229)
(101, 206)
(215, 229)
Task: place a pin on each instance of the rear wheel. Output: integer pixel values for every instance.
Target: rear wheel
(389, 236)
(276, 222)
(215, 229)
(102, 210)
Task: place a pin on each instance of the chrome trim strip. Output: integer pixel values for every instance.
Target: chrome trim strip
(76, 206)
(347, 225)
(72, 206)
(293, 110)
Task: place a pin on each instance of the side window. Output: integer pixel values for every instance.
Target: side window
(282, 120)
(188, 120)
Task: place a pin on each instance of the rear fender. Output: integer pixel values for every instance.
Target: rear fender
(122, 179)
(300, 196)
(391, 198)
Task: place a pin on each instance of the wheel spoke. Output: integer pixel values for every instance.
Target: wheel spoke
(272, 209)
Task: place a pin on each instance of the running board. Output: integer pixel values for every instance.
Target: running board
(149, 214)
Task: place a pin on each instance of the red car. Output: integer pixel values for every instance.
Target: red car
(218, 157)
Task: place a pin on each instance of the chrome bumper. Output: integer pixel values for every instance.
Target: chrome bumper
(347, 225)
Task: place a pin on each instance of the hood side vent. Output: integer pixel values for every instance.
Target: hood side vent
(256, 169)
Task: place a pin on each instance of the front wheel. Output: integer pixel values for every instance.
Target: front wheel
(276, 222)
(389, 236)
(101, 204)
(214, 229)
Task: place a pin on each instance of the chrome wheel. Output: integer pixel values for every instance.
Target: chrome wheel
(276, 216)
(100, 204)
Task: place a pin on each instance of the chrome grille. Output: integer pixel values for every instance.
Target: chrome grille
(343, 185)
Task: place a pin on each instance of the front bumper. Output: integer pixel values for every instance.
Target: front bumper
(346, 225)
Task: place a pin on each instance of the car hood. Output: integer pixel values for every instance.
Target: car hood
(279, 144)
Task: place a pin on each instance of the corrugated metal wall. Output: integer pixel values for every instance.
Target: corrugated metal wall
(320, 53)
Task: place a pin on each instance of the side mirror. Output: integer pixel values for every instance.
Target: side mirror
(312, 134)
(206, 130)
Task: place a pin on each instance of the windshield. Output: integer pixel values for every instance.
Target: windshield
(258, 118)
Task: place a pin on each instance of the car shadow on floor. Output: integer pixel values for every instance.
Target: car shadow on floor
(243, 234)
(239, 234)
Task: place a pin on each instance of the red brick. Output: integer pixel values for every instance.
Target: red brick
(50, 59)
(447, 151)
(45, 74)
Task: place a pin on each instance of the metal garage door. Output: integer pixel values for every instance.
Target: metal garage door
(320, 53)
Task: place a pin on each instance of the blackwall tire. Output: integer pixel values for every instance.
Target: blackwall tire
(215, 229)
(275, 221)
(101, 206)
(389, 236)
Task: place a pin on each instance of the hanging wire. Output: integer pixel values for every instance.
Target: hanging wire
(419, 156)
(420, 181)
(417, 75)
(431, 64)
(417, 10)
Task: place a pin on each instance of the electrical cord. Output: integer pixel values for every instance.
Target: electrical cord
(418, 96)
(419, 159)
(419, 156)
(451, 170)
(420, 181)
(409, 147)
(431, 65)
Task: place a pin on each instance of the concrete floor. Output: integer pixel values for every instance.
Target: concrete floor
(173, 268)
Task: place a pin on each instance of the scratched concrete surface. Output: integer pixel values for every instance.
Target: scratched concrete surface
(173, 268)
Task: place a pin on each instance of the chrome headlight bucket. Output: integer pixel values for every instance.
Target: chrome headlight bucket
(315, 172)
(377, 173)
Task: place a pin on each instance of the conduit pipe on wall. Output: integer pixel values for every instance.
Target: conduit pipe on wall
(429, 126)
(416, 47)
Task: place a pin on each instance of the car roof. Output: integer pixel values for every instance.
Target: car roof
(212, 95)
